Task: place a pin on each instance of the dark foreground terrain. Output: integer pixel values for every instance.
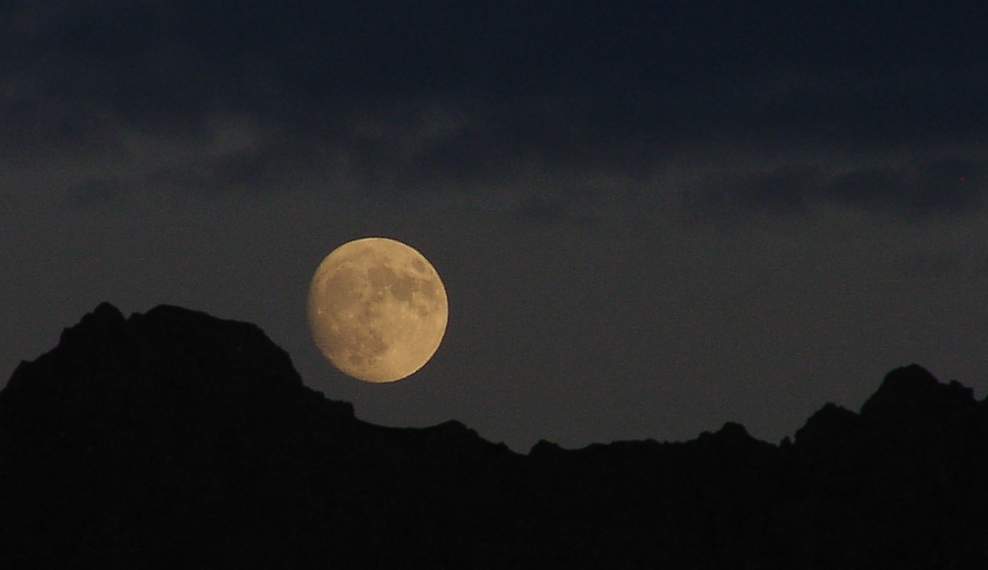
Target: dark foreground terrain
(176, 440)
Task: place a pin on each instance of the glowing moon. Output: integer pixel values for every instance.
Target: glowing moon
(377, 309)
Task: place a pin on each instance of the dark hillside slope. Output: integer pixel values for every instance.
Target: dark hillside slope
(173, 439)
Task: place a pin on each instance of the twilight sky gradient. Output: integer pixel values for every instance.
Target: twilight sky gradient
(651, 217)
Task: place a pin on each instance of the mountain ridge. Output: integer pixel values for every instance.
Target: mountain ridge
(173, 438)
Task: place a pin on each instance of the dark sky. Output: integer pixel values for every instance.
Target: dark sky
(651, 217)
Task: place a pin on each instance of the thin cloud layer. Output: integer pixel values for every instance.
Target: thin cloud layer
(912, 191)
(402, 97)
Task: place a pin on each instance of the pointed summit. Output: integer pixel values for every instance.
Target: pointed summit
(105, 312)
(104, 319)
(912, 393)
(731, 434)
(734, 431)
(831, 427)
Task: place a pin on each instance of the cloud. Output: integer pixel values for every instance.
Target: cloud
(934, 188)
(912, 191)
(482, 95)
(935, 264)
(779, 190)
(98, 192)
(542, 209)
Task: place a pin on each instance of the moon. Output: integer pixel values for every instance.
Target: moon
(377, 309)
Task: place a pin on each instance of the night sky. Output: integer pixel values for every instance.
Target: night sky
(651, 217)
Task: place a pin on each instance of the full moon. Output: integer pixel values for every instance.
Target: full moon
(377, 309)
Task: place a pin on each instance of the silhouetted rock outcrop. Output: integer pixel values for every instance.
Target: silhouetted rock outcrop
(174, 439)
(832, 426)
(911, 395)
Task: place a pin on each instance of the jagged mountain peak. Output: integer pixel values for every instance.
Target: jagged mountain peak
(731, 434)
(105, 312)
(912, 393)
(166, 355)
(831, 425)
(95, 326)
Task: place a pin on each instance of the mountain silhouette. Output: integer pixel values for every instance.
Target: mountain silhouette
(174, 439)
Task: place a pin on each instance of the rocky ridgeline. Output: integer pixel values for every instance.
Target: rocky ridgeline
(173, 439)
